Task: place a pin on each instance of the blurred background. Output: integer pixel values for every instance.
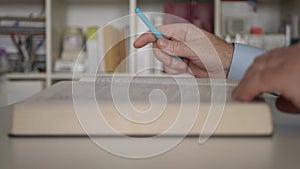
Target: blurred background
(40, 40)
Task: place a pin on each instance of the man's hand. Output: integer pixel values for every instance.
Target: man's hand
(278, 70)
(203, 54)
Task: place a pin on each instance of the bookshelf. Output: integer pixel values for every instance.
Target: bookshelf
(60, 13)
(74, 12)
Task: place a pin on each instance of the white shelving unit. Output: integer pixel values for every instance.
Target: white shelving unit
(88, 13)
(27, 76)
(61, 13)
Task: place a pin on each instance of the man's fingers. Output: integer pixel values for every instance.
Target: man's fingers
(287, 106)
(246, 91)
(168, 60)
(249, 87)
(161, 56)
(177, 65)
(174, 47)
(168, 46)
(174, 71)
(256, 81)
(167, 31)
(144, 39)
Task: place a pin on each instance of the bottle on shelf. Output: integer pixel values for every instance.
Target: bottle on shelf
(4, 64)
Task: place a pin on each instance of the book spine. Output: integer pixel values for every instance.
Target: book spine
(202, 15)
(122, 62)
(181, 10)
(101, 52)
(199, 13)
(109, 36)
(92, 53)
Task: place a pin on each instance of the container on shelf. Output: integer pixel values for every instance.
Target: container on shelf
(4, 64)
(73, 38)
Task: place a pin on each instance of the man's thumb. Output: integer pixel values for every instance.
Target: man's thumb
(174, 48)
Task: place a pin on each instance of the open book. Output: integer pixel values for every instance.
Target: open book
(140, 106)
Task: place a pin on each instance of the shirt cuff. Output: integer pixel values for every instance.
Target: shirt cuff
(243, 57)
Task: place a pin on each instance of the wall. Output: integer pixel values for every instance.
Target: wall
(20, 9)
(267, 15)
(290, 7)
(95, 13)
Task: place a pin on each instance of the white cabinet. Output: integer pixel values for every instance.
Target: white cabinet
(15, 91)
(59, 14)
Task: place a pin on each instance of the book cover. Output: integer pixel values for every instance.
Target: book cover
(57, 110)
(200, 14)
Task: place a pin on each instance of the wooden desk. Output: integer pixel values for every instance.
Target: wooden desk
(280, 151)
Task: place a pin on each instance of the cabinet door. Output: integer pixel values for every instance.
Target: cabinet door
(3, 93)
(16, 91)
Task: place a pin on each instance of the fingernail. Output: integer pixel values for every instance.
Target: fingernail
(163, 43)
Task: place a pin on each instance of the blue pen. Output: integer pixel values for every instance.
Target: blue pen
(151, 27)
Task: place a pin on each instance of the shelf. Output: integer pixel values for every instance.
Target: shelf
(69, 76)
(21, 30)
(96, 1)
(18, 19)
(21, 76)
(22, 1)
(60, 76)
(122, 1)
(77, 76)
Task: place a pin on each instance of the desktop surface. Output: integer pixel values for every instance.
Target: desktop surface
(279, 151)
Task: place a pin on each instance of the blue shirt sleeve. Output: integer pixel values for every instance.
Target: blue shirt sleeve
(243, 57)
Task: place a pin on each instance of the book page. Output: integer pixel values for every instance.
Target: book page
(137, 89)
